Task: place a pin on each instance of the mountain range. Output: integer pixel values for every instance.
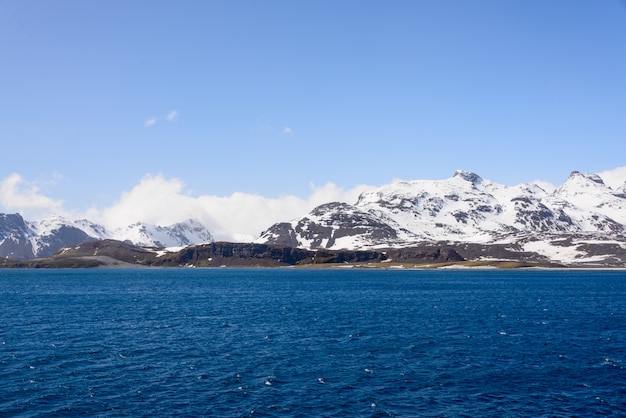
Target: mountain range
(24, 240)
(581, 222)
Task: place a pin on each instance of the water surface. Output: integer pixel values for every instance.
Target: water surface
(293, 342)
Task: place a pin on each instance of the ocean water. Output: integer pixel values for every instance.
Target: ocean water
(296, 342)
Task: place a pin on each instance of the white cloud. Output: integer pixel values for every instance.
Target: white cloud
(172, 115)
(238, 217)
(614, 178)
(287, 130)
(164, 201)
(19, 195)
(154, 200)
(150, 122)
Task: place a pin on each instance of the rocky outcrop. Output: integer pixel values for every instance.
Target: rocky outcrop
(63, 236)
(261, 255)
(117, 250)
(15, 237)
(424, 254)
(111, 253)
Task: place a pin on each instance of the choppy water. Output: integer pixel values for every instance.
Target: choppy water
(275, 342)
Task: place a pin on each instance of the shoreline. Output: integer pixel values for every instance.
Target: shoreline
(106, 262)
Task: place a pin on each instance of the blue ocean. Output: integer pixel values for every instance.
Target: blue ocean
(300, 342)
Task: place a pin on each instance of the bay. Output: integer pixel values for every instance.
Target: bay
(298, 342)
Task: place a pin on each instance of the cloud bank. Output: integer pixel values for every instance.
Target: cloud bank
(614, 178)
(238, 217)
(164, 201)
(19, 195)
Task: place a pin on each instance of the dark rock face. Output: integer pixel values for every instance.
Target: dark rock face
(606, 224)
(235, 254)
(471, 251)
(424, 254)
(281, 234)
(533, 215)
(591, 177)
(461, 217)
(469, 176)
(117, 250)
(326, 224)
(343, 220)
(12, 223)
(220, 254)
(17, 238)
(261, 255)
(16, 249)
(267, 255)
(64, 236)
(15, 234)
(611, 254)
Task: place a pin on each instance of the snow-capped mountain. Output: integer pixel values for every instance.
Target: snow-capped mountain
(25, 240)
(22, 240)
(177, 235)
(463, 209)
(48, 235)
(582, 221)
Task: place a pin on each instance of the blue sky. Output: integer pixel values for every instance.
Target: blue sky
(269, 97)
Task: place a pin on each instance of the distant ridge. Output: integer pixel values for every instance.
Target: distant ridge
(582, 222)
(25, 240)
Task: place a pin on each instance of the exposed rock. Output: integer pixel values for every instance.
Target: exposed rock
(15, 237)
(63, 236)
(328, 224)
(469, 176)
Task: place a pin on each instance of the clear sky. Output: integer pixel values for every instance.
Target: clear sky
(268, 97)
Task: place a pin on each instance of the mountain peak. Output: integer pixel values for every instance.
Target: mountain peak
(11, 217)
(468, 176)
(591, 177)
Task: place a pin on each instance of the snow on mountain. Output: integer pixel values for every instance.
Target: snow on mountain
(20, 239)
(336, 225)
(53, 233)
(177, 235)
(91, 229)
(15, 237)
(583, 219)
(462, 209)
(592, 204)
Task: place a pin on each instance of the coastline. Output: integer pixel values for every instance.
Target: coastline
(430, 256)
